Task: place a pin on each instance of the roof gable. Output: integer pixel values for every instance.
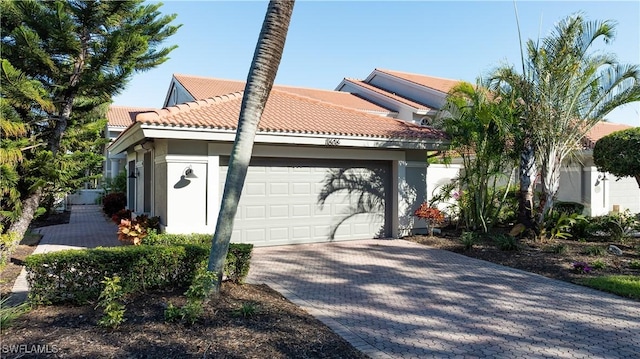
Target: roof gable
(390, 95)
(203, 88)
(436, 83)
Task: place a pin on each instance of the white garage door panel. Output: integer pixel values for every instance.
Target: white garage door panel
(279, 203)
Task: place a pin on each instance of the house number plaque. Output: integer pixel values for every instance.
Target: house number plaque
(332, 142)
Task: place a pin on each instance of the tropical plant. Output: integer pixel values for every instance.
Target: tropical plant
(482, 129)
(110, 301)
(432, 215)
(565, 89)
(262, 73)
(618, 153)
(82, 53)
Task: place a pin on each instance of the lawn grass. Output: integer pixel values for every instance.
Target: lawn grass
(623, 285)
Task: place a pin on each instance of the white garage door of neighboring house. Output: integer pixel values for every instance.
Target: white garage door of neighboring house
(281, 201)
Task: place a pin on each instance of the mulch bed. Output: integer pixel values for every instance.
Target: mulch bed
(278, 329)
(539, 257)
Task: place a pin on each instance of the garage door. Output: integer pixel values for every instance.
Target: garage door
(288, 201)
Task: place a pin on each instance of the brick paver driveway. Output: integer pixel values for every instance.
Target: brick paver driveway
(397, 299)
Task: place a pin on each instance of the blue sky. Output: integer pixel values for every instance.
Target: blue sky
(330, 40)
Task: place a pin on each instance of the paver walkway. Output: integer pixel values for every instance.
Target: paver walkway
(87, 228)
(398, 299)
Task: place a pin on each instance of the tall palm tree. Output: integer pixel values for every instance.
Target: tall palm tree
(566, 88)
(262, 73)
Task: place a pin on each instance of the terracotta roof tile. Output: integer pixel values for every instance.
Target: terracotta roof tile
(122, 116)
(600, 130)
(388, 94)
(286, 112)
(436, 83)
(204, 87)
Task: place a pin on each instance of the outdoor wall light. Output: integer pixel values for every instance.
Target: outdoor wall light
(134, 174)
(188, 173)
(185, 178)
(601, 177)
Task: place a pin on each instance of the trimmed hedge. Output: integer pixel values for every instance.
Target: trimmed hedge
(236, 268)
(76, 275)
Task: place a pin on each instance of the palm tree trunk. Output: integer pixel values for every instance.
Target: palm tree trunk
(262, 74)
(29, 207)
(551, 166)
(528, 174)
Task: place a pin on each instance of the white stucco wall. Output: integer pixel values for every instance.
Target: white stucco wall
(624, 193)
(439, 175)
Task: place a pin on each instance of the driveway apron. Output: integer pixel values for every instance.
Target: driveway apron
(398, 299)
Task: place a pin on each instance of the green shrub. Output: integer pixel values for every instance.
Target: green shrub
(468, 239)
(246, 310)
(110, 301)
(75, 275)
(167, 239)
(559, 225)
(617, 226)
(594, 251)
(568, 208)
(557, 249)
(505, 242)
(198, 293)
(238, 260)
(202, 283)
(188, 314)
(634, 264)
(599, 264)
(7, 246)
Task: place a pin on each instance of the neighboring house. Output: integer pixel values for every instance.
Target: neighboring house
(416, 98)
(601, 193)
(118, 119)
(326, 165)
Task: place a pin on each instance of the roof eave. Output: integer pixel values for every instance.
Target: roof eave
(278, 138)
(129, 137)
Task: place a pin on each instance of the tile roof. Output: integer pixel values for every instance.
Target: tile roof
(203, 88)
(388, 94)
(123, 116)
(436, 83)
(600, 130)
(286, 112)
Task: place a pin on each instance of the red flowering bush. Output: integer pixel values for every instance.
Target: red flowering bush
(432, 215)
